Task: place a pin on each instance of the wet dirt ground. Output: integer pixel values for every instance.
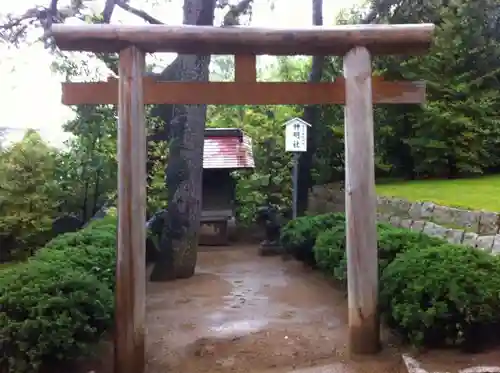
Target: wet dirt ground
(244, 313)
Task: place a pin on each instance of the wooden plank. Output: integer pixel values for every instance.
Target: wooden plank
(231, 93)
(130, 312)
(245, 68)
(403, 39)
(362, 267)
(225, 213)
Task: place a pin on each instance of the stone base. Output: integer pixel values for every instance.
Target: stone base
(266, 249)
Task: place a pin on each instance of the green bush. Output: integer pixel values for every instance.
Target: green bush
(29, 196)
(298, 236)
(441, 295)
(91, 250)
(330, 247)
(49, 313)
(330, 252)
(99, 236)
(394, 241)
(108, 222)
(98, 261)
(58, 304)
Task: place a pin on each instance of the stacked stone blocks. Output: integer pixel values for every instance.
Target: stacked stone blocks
(478, 229)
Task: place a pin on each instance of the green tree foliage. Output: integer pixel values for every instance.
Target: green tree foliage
(39, 183)
(157, 191)
(29, 195)
(87, 168)
(270, 182)
(457, 131)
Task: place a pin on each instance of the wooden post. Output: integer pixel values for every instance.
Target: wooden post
(131, 250)
(245, 68)
(362, 266)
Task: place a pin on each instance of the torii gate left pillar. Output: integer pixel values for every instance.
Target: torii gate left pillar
(355, 91)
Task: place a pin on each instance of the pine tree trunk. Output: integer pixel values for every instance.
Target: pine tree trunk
(179, 238)
(312, 116)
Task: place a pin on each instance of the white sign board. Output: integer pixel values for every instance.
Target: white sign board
(296, 135)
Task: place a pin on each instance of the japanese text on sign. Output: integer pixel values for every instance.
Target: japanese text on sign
(296, 135)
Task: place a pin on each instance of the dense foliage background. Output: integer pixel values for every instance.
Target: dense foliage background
(455, 133)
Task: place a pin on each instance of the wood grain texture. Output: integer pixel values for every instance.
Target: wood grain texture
(130, 292)
(408, 39)
(362, 266)
(242, 93)
(245, 68)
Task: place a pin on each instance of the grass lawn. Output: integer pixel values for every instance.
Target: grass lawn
(482, 193)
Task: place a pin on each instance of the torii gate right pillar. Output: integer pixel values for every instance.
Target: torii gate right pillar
(361, 207)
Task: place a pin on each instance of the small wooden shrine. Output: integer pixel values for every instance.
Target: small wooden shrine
(225, 150)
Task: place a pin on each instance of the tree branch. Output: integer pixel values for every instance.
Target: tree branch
(139, 13)
(107, 13)
(232, 16)
(380, 8)
(31, 13)
(13, 28)
(16, 26)
(111, 60)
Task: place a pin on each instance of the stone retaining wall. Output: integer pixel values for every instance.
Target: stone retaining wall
(480, 229)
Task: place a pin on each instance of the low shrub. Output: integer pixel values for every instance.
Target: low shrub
(330, 252)
(98, 261)
(107, 222)
(393, 241)
(95, 235)
(57, 305)
(299, 235)
(49, 313)
(442, 295)
(432, 292)
(330, 247)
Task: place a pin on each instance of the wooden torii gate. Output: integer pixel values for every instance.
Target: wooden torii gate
(357, 91)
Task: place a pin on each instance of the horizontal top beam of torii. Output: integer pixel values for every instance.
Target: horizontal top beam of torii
(243, 93)
(407, 39)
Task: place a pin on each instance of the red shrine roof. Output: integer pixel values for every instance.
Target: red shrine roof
(227, 148)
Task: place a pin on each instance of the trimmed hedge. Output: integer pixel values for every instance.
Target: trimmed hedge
(330, 247)
(56, 306)
(432, 293)
(330, 252)
(394, 241)
(96, 260)
(299, 236)
(444, 295)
